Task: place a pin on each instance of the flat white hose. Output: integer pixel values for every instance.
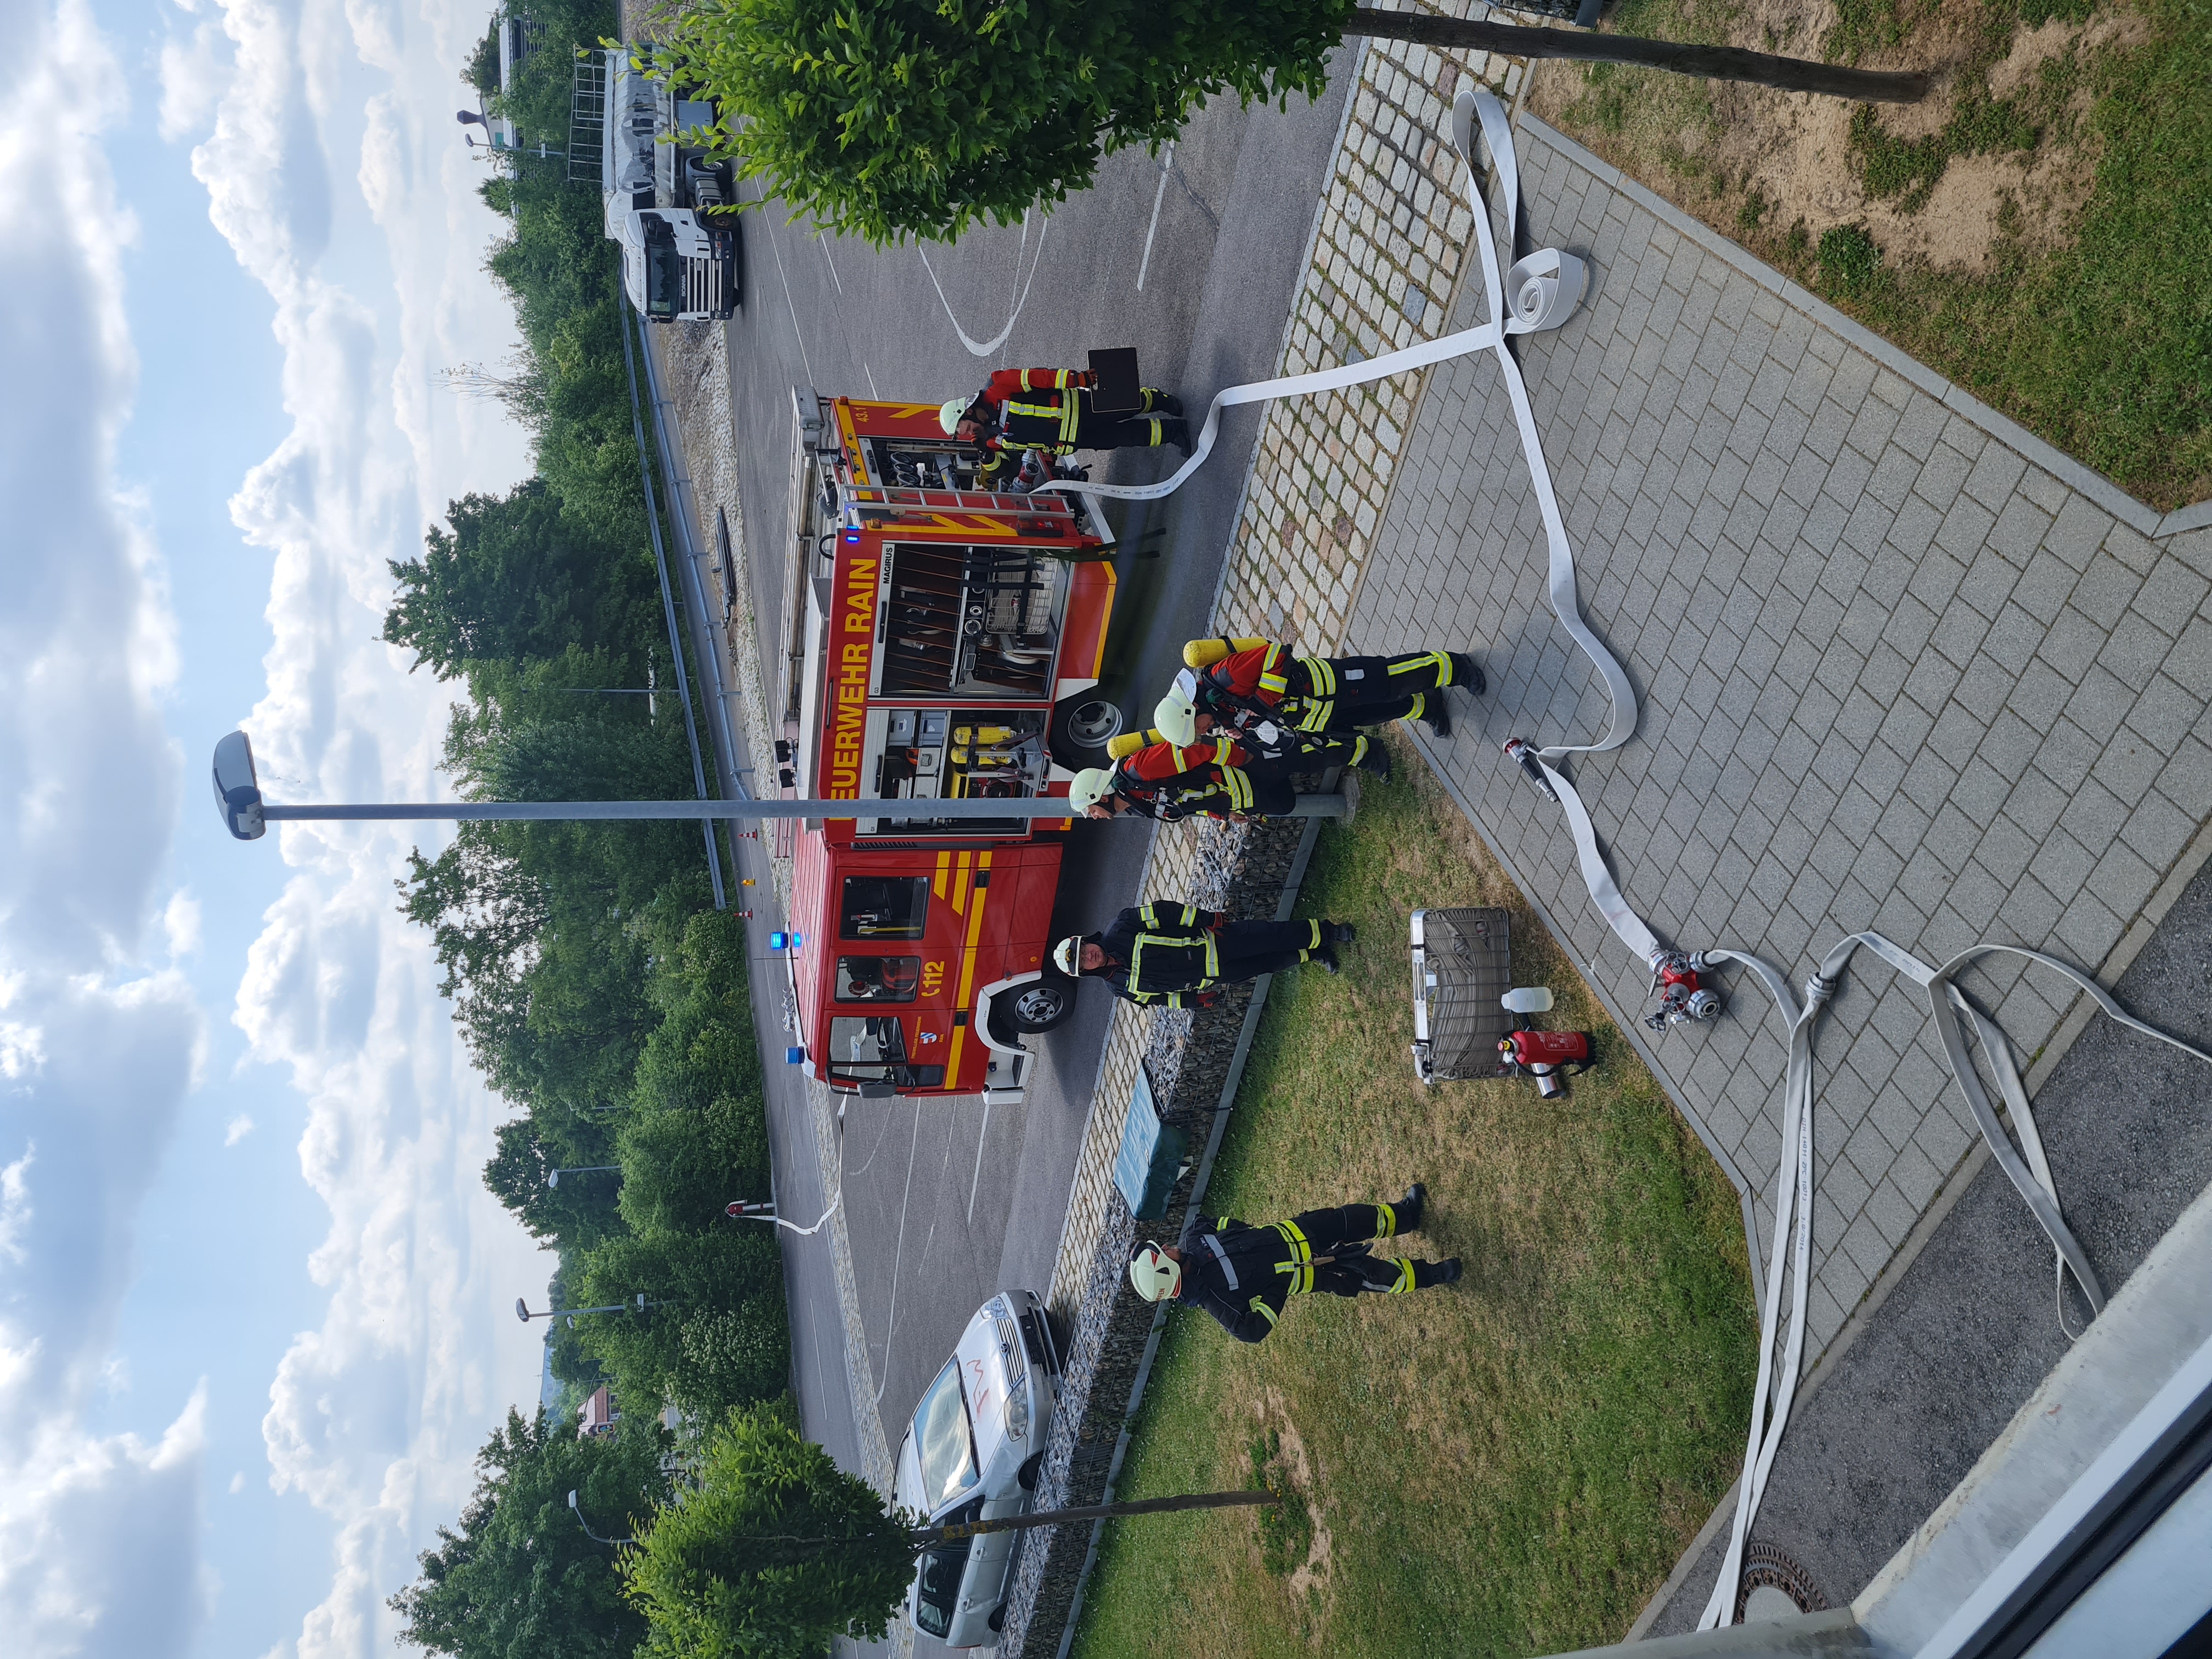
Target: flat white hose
(1470, 108)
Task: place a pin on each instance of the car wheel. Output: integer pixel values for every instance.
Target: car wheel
(1081, 725)
(1032, 1467)
(1041, 1005)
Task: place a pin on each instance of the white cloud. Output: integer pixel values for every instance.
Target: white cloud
(180, 922)
(238, 1483)
(237, 1129)
(98, 1533)
(194, 72)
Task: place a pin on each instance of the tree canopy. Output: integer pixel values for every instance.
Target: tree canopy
(520, 1577)
(775, 1551)
(884, 118)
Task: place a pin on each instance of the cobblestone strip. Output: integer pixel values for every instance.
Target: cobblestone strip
(1388, 253)
(698, 383)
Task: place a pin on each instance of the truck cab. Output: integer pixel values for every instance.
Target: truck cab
(682, 257)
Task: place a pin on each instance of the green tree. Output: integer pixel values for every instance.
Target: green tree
(520, 1576)
(716, 1333)
(886, 118)
(517, 577)
(777, 1552)
(579, 1212)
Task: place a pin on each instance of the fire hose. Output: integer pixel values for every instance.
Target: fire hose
(1675, 977)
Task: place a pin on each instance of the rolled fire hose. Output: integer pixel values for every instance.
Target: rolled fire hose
(1957, 1020)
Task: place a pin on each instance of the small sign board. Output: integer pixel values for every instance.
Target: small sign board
(1115, 388)
(1152, 1155)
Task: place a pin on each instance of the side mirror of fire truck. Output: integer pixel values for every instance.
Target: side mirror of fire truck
(878, 1090)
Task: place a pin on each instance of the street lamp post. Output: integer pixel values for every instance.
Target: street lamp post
(586, 1525)
(553, 1176)
(247, 816)
(522, 1309)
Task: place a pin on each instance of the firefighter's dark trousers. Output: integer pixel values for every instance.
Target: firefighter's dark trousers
(1124, 429)
(1327, 1231)
(1311, 752)
(1376, 691)
(1250, 949)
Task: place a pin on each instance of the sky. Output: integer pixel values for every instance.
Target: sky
(256, 1308)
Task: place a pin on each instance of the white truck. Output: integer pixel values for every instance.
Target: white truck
(682, 262)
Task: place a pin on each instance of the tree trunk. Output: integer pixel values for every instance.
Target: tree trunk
(1710, 63)
(928, 1536)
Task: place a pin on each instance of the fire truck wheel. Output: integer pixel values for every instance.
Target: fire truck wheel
(1040, 1005)
(1081, 726)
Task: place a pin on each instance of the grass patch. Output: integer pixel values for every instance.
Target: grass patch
(1512, 1465)
(2083, 312)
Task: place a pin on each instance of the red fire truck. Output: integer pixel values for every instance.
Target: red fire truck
(941, 642)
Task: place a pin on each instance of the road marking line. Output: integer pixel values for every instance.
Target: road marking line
(822, 243)
(985, 347)
(981, 1135)
(1167, 163)
(759, 196)
(891, 1318)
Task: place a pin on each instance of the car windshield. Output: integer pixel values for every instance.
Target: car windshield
(939, 1586)
(664, 275)
(941, 1438)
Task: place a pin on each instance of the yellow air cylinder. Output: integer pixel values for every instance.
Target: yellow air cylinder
(1122, 745)
(1204, 654)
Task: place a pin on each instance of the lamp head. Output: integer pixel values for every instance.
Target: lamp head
(237, 790)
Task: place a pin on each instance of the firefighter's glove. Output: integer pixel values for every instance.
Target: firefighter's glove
(1205, 999)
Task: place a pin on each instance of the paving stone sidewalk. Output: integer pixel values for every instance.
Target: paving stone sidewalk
(1900, 668)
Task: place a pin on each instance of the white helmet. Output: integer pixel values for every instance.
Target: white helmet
(1176, 717)
(1156, 1276)
(1067, 956)
(949, 415)
(1091, 785)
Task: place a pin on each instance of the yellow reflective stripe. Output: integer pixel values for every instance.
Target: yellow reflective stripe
(1421, 705)
(1238, 785)
(1212, 959)
(1223, 748)
(1272, 678)
(1314, 943)
(1405, 1277)
(1300, 1250)
(1439, 661)
(1258, 1306)
(1190, 915)
(1321, 675)
(1358, 750)
(1389, 1217)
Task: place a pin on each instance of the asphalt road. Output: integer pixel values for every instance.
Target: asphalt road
(946, 1202)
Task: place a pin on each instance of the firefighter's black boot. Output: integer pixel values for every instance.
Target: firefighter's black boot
(1434, 713)
(1325, 959)
(1447, 1272)
(1339, 932)
(1162, 402)
(1176, 432)
(1408, 1210)
(1376, 762)
(1468, 673)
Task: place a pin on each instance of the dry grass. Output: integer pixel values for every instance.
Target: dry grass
(2038, 229)
(1508, 1465)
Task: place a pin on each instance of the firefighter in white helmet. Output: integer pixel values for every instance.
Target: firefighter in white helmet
(1178, 956)
(1245, 1275)
(1049, 411)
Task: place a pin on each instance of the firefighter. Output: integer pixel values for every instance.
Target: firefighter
(1216, 777)
(1047, 411)
(1177, 955)
(1248, 684)
(1245, 1275)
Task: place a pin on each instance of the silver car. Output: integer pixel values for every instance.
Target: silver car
(972, 1452)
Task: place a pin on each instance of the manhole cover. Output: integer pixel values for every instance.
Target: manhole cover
(1774, 1586)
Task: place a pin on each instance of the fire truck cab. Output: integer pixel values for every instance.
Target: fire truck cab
(941, 642)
